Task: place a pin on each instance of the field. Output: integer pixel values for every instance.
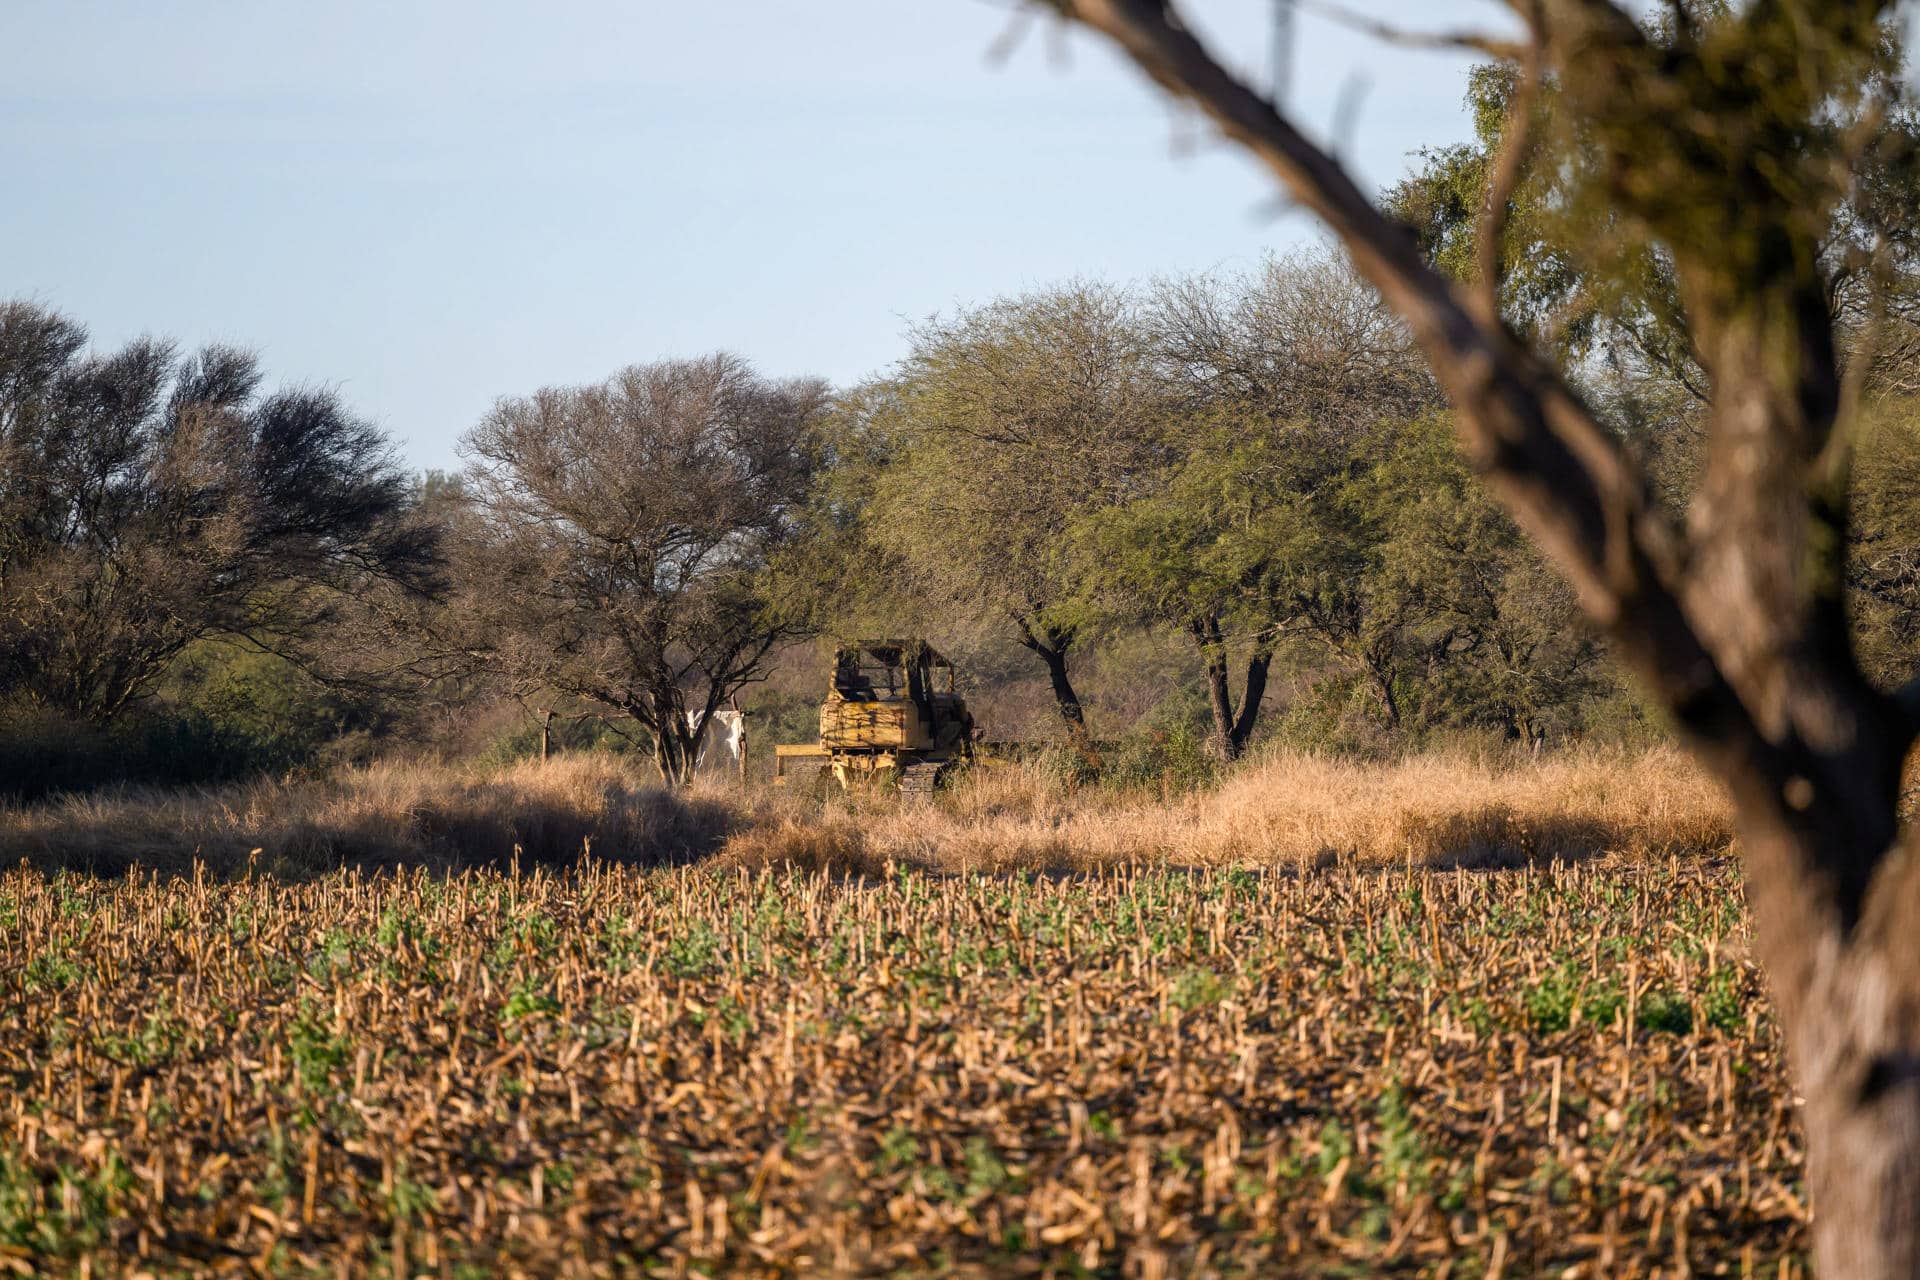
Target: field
(745, 1068)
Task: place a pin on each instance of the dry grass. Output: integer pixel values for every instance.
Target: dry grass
(384, 815)
(1287, 810)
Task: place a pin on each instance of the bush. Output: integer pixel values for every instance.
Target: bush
(222, 714)
(1167, 761)
(41, 754)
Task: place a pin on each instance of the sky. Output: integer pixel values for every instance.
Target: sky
(430, 204)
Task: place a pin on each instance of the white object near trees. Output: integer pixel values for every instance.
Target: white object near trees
(723, 749)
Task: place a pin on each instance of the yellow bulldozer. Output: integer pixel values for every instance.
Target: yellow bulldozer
(892, 719)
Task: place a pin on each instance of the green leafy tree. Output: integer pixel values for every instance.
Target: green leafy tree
(1577, 274)
(1485, 630)
(1208, 548)
(1003, 427)
(1279, 382)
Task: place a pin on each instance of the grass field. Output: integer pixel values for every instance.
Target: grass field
(713, 1069)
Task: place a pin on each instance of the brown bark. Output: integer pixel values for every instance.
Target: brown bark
(1050, 645)
(1252, 694)
(674, 747)
(1213, 655)
(1231, 730)
(1736, 625)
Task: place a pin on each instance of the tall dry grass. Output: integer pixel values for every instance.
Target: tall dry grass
(1284, 810)
(384, 814)
(1288, 809)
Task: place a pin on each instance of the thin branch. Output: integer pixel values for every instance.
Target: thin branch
(1472, 41)
(1516, 141)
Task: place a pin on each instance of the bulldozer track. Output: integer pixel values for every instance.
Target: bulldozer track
(922, 779)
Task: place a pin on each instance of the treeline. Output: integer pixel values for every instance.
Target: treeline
(199, 577)
(1258, 465)
(1234, 497)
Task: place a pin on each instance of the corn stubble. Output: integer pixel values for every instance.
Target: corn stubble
(1138, 1071)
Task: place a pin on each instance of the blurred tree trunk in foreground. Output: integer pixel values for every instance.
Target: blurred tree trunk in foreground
(1731, 141)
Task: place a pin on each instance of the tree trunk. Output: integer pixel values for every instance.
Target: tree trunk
(666, 756)
(1068, 701)
(546, 733)
(1231, 732)
(1050, 644)
(1833, 883)
(674, 747)
(1213, 653)
(1251, 696)
(1849, 1000)
(1383, 689)
(1863, 1126)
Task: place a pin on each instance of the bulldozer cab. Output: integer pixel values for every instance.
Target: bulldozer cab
(891, 670)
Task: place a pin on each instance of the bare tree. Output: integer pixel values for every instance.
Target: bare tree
(149, 501)
(616, 544)
(1730, 135)
(1303, 340)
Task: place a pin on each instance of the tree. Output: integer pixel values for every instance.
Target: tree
(1282, 380)
(1578, 276)
(1208, 544)
(1005, 424)
(149, 501)
(1729, 137)
(1491, 636)
(615, 544)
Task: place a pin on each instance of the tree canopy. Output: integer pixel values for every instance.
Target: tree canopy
(615, 540)
(149, 501)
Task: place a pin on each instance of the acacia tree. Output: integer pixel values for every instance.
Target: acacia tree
(1007, 422)
(1280, 379)
(1488, 633)
(1211, 545)
(149, 501)
(1729, 137)
(615, 542)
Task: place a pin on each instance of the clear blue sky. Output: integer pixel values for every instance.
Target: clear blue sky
(433, 203)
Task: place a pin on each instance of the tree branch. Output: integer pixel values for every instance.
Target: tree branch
(1472, 41)
(1516, 139)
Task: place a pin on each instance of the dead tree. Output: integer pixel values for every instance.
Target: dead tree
(1723, 136)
